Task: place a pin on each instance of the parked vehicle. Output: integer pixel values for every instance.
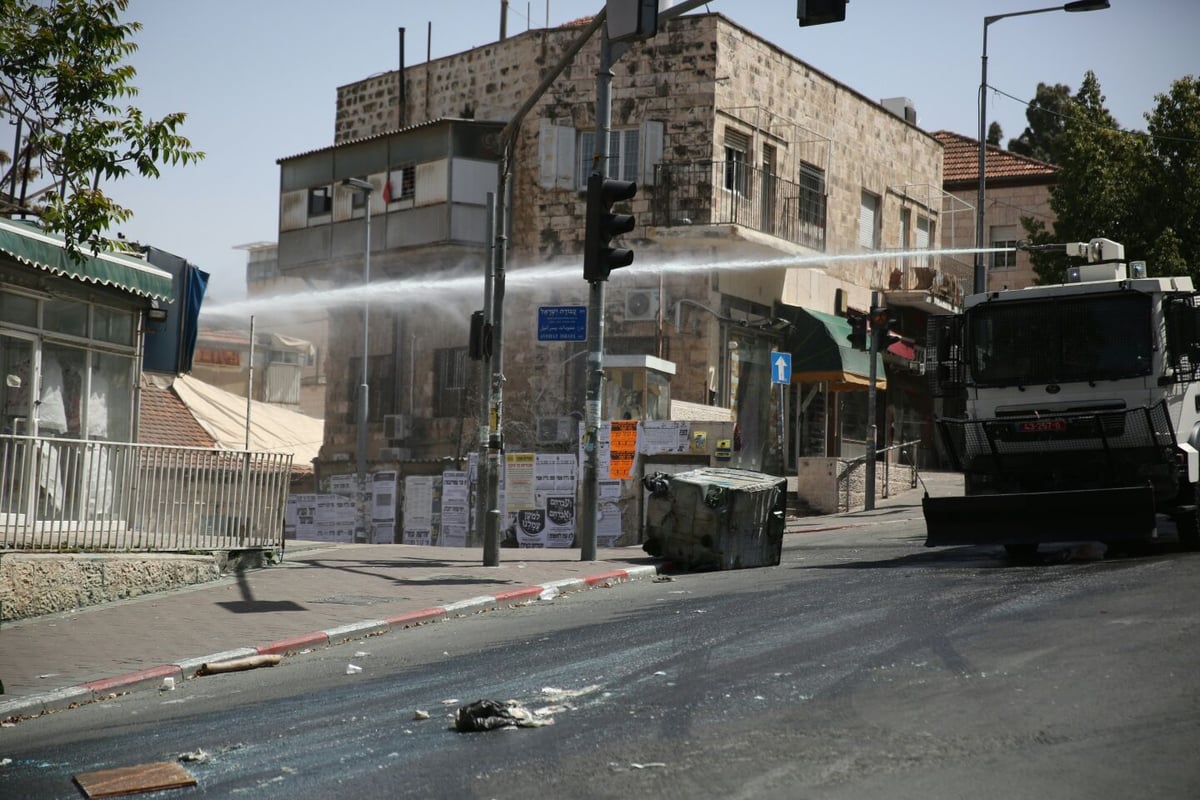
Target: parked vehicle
(1082, 415)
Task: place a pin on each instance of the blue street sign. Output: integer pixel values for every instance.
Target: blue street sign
(562, 323)
(781, 367)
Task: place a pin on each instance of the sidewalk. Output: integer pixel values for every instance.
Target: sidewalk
(321, 594)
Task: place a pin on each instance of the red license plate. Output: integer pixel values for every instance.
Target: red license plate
(1041, 425)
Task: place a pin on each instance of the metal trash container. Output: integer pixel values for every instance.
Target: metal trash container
(716, 518)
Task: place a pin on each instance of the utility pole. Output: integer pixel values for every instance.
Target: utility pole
(494, 379)
(595, 328)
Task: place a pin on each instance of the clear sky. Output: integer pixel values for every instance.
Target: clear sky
(258, 80)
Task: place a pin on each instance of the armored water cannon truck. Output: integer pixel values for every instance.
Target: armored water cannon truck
(1082, 416)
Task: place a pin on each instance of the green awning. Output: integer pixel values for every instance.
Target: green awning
(821, 352)
(29, 245)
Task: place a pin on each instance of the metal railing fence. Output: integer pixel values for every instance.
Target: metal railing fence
(70, 494)
(734, 193)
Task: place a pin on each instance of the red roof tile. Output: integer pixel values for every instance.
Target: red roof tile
(164, 419)
(960, 162)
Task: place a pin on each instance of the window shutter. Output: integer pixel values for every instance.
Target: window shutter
(556, 155)
(651, 151)
(866, 220)
(922, 233)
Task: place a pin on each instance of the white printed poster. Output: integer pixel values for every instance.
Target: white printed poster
(556, 472)
(664, 436)
(456, 515)
(319, 518)
(335, 518)
(418, 509)
(608, 514)
(519, 481)
(383, 507)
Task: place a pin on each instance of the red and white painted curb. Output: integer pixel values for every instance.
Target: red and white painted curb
(33, 705)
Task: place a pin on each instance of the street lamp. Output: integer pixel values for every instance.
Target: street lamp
(361, 506)
(1079, 5)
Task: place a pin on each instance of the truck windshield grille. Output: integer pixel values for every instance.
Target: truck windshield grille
(1092, 338)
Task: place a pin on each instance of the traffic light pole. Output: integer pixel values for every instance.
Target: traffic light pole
(595, 329)
(873, 335)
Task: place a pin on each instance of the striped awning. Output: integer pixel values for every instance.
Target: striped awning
(27, 244)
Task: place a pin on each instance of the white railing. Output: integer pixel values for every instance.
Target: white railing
(70, 494)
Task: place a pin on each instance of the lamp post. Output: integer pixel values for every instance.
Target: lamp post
(361, 506)
(980, 283)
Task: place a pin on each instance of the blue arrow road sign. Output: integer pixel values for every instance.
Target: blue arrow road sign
(781, 367)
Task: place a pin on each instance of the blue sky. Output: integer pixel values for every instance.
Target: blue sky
(259, 80)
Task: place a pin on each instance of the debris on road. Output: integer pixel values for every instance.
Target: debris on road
(239, 664)
(490, 715)
(419, 714)
(134, 780)
(353, 669)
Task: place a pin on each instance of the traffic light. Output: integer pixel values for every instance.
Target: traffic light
(479, 343)
(882, 326)
(818, 12)
(858, 331)
(599, 257)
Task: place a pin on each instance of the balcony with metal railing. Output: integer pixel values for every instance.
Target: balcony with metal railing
(734, 193)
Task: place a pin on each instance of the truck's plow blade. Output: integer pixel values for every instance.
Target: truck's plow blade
(1106, 515)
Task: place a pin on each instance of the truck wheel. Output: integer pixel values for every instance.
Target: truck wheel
(1024, 553)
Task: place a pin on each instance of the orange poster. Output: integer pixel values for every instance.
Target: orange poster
(622, 448)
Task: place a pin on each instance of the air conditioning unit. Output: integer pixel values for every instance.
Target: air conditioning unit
(395, 454)
(395, 427)
(641, 304)
(556, 430)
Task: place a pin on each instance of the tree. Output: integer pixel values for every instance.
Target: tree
(1047, 116)
(1100, 185)
(1171, 194)
(994, 134)
(62, 77)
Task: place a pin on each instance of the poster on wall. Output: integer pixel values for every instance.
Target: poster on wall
(299, 515)
(319, 518)
(556, 472)
(519, 481)
(559, 510)
(383, 507)
(418, 509)
(608, 514)
(335, 517)
(531, 527)
(623, 439)
(456, 513)
(664, 436)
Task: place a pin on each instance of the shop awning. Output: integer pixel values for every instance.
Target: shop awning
(29, 245)
(821, 352)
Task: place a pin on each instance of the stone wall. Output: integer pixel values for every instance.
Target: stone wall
(34, 584)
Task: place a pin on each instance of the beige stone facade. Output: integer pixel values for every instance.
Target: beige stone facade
(755, 171)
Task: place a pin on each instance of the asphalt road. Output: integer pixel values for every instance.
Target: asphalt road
(864, 666)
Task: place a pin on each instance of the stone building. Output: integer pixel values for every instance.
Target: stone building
(772, 199)
(1017, 186)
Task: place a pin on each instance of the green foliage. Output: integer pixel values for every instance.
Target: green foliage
(994, 134)
(1142, 191)
(63, 74)
(1047, 117)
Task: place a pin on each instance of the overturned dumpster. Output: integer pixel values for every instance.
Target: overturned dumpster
(715, 518)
